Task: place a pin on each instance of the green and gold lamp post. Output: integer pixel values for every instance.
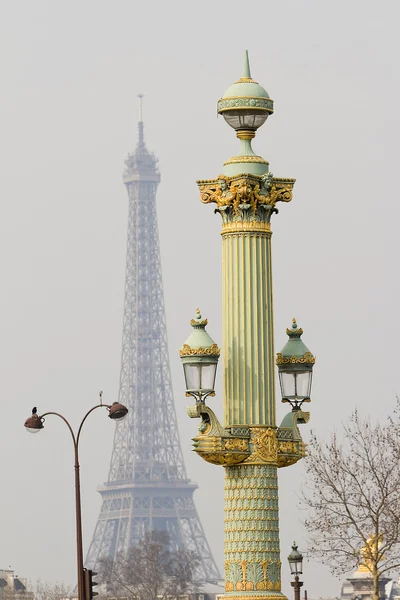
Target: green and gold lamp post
(248, 444)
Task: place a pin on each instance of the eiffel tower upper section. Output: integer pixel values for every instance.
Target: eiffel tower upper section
(147, 486)
(146, 446)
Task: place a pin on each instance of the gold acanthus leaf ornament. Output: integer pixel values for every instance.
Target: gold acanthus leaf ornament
(307, 358)
(246, 189)
(236, 444)
(186, 350)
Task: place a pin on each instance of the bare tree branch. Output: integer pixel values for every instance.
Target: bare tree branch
(353, 493)
(152, 570)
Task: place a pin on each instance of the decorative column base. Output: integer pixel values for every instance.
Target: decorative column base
(254, 596)
(252, 561)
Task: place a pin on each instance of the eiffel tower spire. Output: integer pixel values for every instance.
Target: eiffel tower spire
(147, 486)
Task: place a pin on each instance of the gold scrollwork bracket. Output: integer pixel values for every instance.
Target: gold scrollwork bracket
(215, 444)
(291, 447)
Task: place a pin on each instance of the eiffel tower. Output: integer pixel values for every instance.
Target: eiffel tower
(147, 487)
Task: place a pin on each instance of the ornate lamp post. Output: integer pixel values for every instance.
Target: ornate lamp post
(249, 444)
(295, 560)
(34, 424)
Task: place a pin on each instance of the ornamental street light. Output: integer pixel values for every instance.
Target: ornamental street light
(199, 356)
(295, 364)
(34, 424)
(295, 560)
(248, 444)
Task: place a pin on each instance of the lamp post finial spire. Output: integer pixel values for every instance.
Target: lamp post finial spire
(246, 74)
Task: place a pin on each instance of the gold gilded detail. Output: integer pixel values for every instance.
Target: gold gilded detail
(369, 553)
(255, 597)
(245, 134)
(252, 158)
(284, 360)
(196, 322)
(246, 226)
(246, 80)
(253, 576)
(264, 440)
(236, 444)
(244, 189)
(289, 447)
(186, 350)
(222, 458)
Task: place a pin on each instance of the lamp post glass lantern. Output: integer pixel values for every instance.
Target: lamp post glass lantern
(295, 365)
(199, 355)
(295, 560)
(33, 424)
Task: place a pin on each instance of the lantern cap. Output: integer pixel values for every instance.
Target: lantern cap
(245, 93)
(295, 351)
(199, 342)
(295, 557)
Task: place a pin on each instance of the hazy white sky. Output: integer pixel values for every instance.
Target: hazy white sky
(70, 73)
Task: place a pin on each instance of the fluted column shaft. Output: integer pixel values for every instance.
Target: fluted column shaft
(248, 336)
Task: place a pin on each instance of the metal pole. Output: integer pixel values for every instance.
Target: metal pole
(78, 512)
(296, 584)
(79, 543)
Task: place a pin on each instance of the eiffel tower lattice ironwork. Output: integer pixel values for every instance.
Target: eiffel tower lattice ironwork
(147, 486)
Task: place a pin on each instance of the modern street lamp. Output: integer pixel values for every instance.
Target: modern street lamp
(34, 424)
(248, 443)
(295, 560)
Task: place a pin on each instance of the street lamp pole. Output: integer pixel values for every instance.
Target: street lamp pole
(295, 560)
(296, 584)
(248, 442)
(34, 424)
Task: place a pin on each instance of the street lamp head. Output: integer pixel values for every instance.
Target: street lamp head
(295, 364)
(34, 423)
(117, 411)
(199, 355)
(246, 105)
(295, 560)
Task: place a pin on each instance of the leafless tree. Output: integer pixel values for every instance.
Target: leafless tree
(53, 591)
(353, 496)
(152, 570)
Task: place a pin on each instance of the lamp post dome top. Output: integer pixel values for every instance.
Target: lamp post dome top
(295, 350)
(295, 555)
(199, 341)
(245, 106)
(245, 93)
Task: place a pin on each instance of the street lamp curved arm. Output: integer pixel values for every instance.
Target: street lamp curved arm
(34, 424)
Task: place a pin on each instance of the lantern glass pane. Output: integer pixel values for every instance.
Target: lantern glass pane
(192, 376)
(287, 381)
(296, 566)
(303, 384)
(32, 429)
(243, 119)
(208, 376)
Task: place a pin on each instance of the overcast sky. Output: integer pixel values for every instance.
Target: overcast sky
(70, 74)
